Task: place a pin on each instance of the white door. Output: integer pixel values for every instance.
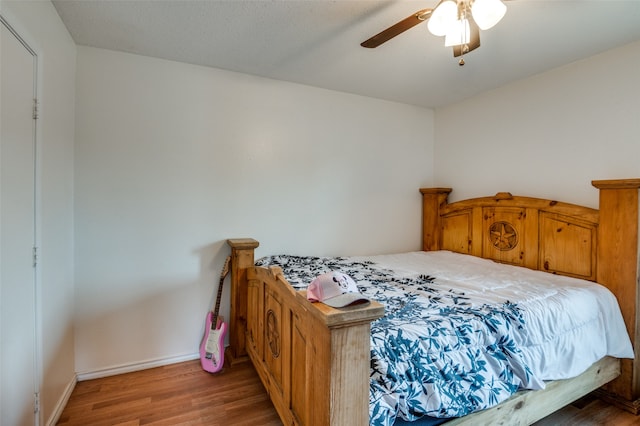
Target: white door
(18, 356)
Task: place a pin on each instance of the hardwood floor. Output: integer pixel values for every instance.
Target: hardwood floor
(183, 394)
(593, 412)
(178, 394)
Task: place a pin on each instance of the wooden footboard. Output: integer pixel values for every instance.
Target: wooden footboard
(312, 359)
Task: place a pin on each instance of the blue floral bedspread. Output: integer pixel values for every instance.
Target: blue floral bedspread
(435, 352)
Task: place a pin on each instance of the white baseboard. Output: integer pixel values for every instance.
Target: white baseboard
(62, 402)
(137, 366)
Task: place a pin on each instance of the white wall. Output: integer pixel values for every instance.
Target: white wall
(173, 159)
(547, 136)
(39, 24)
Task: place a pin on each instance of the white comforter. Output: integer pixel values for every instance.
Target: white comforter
(572, 323)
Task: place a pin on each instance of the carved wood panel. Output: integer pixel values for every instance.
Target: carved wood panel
(273, 334)
(569, 246)
(456, 231)
(503, 236)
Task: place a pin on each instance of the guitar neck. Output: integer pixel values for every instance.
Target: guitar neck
(216, 311)
(223, 274)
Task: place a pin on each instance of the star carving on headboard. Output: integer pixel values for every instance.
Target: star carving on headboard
(503, 236)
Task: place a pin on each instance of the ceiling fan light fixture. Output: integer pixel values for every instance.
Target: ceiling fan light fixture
(488, 13)
(443, 17)
(458, 34)
(459, 21)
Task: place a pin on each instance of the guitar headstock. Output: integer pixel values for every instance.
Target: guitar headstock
(225, 268)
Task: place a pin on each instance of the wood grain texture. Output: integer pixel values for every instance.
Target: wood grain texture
(397, 28)
(312, 359)
(171, 395)
(242, 250)
(618, 270)
(184, 394)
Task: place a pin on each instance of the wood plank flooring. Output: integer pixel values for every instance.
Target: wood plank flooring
(178, 394)
(183, 394)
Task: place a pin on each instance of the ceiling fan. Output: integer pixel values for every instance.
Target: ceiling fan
(460, 21)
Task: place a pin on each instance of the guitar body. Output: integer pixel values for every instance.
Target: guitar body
(212, 345)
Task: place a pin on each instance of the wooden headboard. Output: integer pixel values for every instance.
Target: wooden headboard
(539, 234)
(595, 244)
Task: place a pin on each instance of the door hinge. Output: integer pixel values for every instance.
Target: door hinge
(35, 256)
(35, 108)
(36, 403)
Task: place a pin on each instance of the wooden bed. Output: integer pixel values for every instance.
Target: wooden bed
(314, 360)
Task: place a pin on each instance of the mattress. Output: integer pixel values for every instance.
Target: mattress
(462, 334)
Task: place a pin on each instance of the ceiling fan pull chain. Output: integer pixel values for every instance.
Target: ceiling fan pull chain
(465, 48)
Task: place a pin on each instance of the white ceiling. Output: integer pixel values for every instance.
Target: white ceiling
(317, 42)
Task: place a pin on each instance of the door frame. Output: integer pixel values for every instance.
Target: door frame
(23, 37)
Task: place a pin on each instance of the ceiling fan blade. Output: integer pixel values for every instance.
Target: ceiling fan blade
(474, 40)
(398, 28)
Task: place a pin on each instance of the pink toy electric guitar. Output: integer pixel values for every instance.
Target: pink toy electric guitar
(212, 345)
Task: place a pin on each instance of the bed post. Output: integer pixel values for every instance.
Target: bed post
(432, 200)
(617, 269)
(242, 257)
